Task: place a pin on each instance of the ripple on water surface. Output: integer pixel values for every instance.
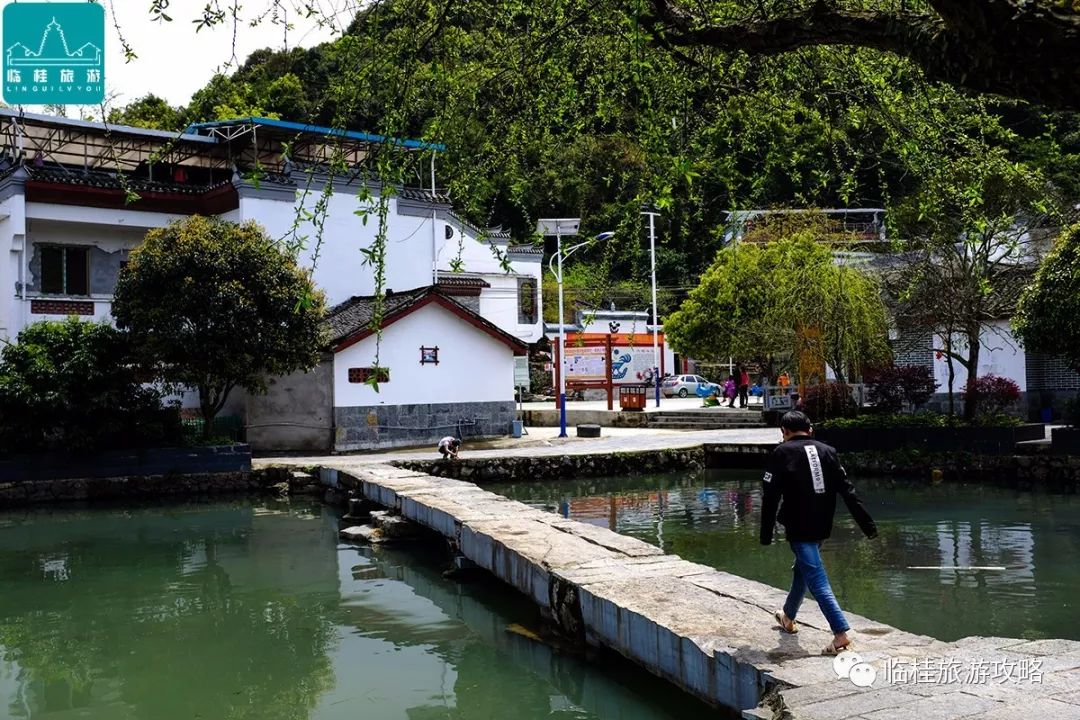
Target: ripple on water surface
(916, 576)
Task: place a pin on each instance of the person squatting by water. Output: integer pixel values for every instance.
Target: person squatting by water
(804, 477)
(448, 447)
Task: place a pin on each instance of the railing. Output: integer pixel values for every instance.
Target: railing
(229, 426)
(778, 399)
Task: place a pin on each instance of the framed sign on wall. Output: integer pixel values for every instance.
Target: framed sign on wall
(429, 355)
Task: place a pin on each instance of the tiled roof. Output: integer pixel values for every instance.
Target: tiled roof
(462, 280)
(524, 249)
(353, 316)
(424, 195)
(355, 313)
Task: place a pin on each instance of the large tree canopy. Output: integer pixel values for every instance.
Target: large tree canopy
(1018, 48)
(1048, 318)
(783, 294)
(216, 305)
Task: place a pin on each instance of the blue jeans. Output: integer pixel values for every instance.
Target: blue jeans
(808, 573)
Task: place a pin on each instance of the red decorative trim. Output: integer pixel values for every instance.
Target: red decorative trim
(362, 375)
(61, 307)
(216, 201)
(476, 321)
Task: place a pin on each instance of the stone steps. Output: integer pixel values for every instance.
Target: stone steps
(706, 420)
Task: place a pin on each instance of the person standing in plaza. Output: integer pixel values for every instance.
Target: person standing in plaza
(804, 477)
(743, 381)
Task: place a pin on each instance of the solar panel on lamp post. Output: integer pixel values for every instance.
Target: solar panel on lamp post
(559, 227)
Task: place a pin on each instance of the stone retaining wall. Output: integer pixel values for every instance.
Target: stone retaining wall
(559, 467)
(276, 479)
(1057, 473)
(148, 462)
(1026, 472)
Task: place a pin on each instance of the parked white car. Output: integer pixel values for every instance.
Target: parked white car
(685, 385)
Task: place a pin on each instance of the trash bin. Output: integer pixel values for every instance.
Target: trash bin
(515, 428)
(632, 397)
(1047, 415)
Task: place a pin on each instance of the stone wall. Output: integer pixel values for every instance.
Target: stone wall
(387, 426)
(1055, 473)
(278, 480)
(558, 467)
(127, 463)
(125, 488)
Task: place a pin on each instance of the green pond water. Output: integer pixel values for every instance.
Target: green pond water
(254, 610)
(712, 517)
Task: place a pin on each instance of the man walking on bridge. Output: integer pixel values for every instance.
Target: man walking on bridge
(800, 488)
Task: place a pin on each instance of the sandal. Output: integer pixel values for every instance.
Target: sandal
(832, 649)
(786, 624)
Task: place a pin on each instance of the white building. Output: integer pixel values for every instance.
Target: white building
(77, 197)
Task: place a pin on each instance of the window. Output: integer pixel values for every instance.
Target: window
(527, 302)
(65, 270)
(362, 375)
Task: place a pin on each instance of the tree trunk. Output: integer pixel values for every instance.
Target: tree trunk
(971, 401)
(208, 408)
(952, 381)
(1016, 48)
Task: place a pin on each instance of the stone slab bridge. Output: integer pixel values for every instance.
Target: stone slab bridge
(712, 633)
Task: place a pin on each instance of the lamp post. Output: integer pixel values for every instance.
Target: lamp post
(651, 212)
(559, 227)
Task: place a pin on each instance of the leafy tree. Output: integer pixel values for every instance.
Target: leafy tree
(973, 232)
(784, 296)
(72, 386)
(215, 305)
(151, 112)
(1016, 48)
(1048, 316)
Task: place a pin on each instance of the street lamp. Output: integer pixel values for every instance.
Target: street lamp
(559, 227)
(651, 212)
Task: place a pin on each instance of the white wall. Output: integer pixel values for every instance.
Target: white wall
(339, 269)
(12, 264)
(340, 272)
(473, 366)
(1001, 355)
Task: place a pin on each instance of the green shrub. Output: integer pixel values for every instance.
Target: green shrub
(893, 388)
(71, 386)
(925, 419)
(828, 401)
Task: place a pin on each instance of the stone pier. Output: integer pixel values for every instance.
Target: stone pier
(712, 633)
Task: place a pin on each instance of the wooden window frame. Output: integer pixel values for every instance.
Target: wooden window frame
(64, 250)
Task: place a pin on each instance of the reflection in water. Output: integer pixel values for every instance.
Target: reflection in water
(712, 518)
(240, 610)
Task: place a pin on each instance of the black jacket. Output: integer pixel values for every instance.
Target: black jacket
(803, 479)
